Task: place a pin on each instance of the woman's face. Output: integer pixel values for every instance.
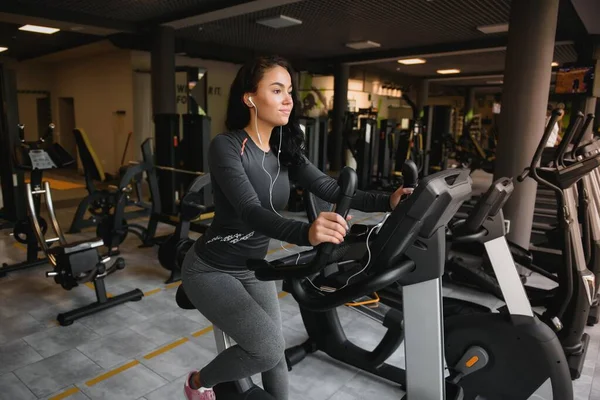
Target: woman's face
(273, 98)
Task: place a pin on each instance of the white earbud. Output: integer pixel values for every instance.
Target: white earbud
(251, 102)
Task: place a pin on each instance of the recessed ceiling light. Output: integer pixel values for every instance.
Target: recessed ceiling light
(448, 71)
(3, 49)
(280, 21)
(365, 44)
(39, 29)
(495, 28)
(412, 61)
(554, 64)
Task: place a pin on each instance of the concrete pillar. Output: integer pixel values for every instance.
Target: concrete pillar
(13, 205)
(340, 105)
(164, 111)
(525, 97)
(163, 71)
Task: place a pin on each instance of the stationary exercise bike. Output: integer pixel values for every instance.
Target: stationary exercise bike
(409, 249)
(73, 263)
(481, 347)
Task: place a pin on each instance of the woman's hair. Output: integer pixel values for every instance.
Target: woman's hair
(238, 113)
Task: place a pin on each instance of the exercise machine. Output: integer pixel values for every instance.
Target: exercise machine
(172, 251)
(23, 230)
(73, 263)
(166, 203)
(482, 348)
(101, 199)
(409, 249)
(576, 291)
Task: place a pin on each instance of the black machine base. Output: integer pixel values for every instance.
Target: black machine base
(69, 317)
(453, 392)
(230, 391)
(23, 265)
(522, 353)
(576, 361)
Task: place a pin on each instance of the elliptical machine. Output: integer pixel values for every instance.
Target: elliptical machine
(73, 263)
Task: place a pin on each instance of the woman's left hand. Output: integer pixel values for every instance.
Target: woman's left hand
(397, 195)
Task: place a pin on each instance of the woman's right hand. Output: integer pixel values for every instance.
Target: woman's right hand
(328, 227)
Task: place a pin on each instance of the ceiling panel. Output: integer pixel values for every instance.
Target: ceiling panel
(124, 10)
(22, 44)
(327, 25)
(480, 63)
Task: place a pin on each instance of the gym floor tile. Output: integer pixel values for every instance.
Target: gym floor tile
(131, 383)
(11, 388)
(155, 305)
(51, 374)
(117, 348)
(17, 354)
(307, 379)
(195, 316)
(60, 338)
(172, 390)
(365, 386)
(180, 360)
(71, 392)
(19, 326)
(166, 328)
(112, 320)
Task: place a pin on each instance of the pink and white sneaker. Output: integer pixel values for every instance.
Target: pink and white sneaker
(197, 394)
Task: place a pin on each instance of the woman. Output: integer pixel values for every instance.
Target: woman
(249, 168)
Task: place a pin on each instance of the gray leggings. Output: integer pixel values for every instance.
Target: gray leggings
(248, 311)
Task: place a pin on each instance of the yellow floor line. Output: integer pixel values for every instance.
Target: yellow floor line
(66, 394)
(203, 331)
(162, 350)
(166, 348)
(153, 291)
(173, 285)
(112, 373)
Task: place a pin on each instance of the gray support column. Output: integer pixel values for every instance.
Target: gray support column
(422, 96)
(163, 71)
(164, 112)
(525, 97)
(340, 105)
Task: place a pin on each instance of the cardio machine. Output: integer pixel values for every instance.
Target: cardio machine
(409, 249)
(73, 263)
(508, 354)
(568, 305)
